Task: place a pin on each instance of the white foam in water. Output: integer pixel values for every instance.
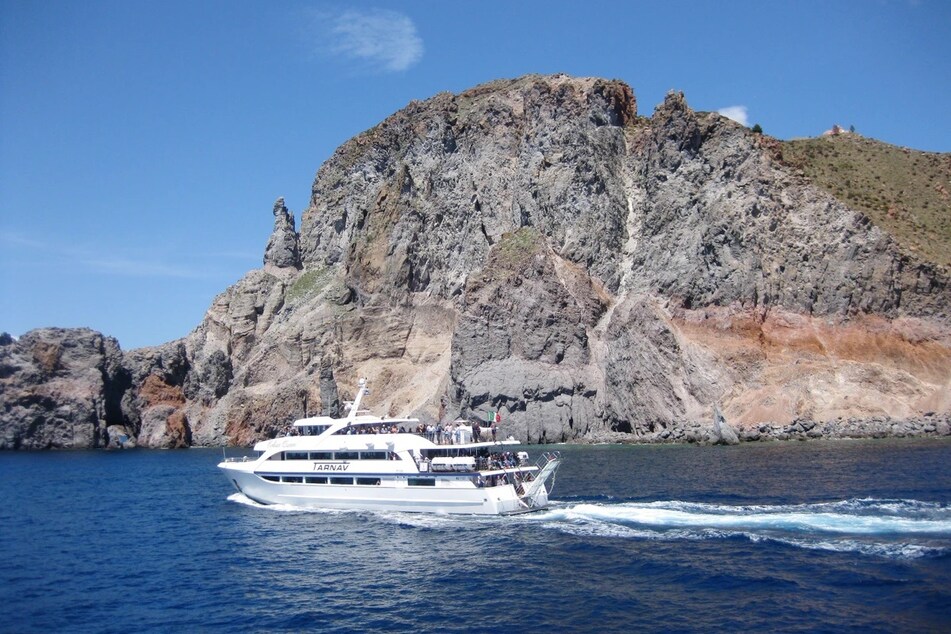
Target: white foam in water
(843, 526)
(428, 520)
(885, 528)
(897, 550)
(241, 498)
(785, 518)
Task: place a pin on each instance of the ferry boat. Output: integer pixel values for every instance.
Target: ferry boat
(373, 463)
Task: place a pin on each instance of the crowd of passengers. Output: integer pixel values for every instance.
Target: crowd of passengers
(502, 479)
(500, 460)
(457, 433)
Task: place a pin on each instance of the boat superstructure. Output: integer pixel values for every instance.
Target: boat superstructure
(368, 462)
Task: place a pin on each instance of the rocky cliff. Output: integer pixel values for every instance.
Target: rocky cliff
(63, 389)
(535, 247)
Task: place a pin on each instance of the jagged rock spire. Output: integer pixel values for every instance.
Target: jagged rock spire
(282, 248)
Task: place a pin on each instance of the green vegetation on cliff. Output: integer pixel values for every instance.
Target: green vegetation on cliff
(308, 284)
(515, 249)
(905, 192)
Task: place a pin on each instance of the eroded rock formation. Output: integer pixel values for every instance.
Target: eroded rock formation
(534, 247)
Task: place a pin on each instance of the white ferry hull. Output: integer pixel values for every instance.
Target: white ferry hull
(498, 500)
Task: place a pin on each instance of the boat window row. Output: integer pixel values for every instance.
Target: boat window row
(294, 479)
(322, 480)
(335, 455)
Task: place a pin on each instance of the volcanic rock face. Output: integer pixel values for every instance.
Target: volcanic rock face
(720, 223)
(62, 388)
(522, 340)
(534, 247)
(415, 204)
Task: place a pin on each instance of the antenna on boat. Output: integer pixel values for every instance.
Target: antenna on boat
(361, 392)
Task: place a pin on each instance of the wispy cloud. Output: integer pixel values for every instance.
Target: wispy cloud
(94, 258)
(13, 239)
(129, 267)
(249, 256)
(386, 40)
(737, 113)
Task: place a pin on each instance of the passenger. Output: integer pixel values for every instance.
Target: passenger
(493, 431)
(476, 432)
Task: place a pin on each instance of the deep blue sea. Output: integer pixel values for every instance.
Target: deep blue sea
(820, 536)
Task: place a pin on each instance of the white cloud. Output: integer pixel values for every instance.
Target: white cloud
(14, 239)
(385, 39)
(129, 267)
(71, 256)
(737, 113)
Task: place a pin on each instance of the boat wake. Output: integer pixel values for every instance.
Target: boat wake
(902, 529)
(895, 529)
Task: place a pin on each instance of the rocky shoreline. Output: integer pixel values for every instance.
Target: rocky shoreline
(931, 425)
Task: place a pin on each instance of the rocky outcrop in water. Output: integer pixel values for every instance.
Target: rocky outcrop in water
(534, 247)
(63, 388)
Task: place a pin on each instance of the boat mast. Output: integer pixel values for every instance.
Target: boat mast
(355, 406)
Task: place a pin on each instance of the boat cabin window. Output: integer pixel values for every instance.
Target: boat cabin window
(315, 480)
(271, 478)
(373, 455)
(312, 430)
(421, 482)
(292, 479)
(347, 455)
(341, 480)
(369, 481)
(453, 452)
(321, 455)
(295, 455)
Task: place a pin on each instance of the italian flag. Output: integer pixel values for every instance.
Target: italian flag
(495, 417)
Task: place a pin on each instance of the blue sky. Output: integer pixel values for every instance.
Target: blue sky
(142, 144)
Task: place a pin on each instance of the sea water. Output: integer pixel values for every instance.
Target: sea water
(817, 536)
